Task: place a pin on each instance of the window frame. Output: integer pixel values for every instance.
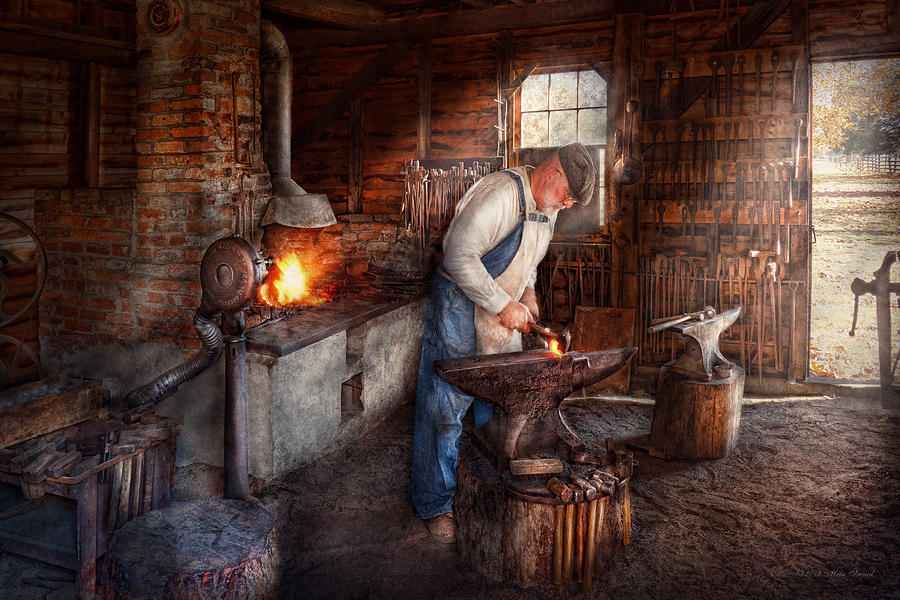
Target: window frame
(577, 68)
(595, 217)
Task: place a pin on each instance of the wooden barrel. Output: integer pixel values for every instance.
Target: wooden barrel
(220, 549)
(696, 419)
(507, 536)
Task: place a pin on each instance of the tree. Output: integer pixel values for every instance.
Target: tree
(856, 107)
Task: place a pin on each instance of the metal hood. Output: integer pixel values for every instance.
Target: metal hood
(290, 205)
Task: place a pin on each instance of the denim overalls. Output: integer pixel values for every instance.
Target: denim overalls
(440, 407)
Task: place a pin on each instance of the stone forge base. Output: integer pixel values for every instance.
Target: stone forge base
(224, 549)
(509, 538)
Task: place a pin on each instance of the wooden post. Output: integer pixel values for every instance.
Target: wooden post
(628, 43)
(357, 156)
(90, 124)
(696, 419)
(423, 141)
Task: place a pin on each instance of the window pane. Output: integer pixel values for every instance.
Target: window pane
(562, 127)
(534, 92)
(534, 130)
(592, 126)
(591, 89)
(563, 90)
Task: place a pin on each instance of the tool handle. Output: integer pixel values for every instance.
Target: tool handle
(665, 325)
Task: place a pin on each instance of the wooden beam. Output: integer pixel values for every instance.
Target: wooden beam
(350, 14)
(518, 81)
(90, 124)
(891, 16)
(23, 40)
(479, 4)
(423, 140)
(462, 23)
(371, 73)
(849, 46)
(602, 71)
(357, 156)
(753, 24)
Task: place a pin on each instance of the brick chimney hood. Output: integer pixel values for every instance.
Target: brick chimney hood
(290, 205)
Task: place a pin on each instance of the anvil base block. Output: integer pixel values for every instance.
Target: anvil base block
(696, 419)
(539, 440)
(508, 537)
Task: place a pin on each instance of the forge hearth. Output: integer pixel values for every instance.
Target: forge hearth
(322, 377)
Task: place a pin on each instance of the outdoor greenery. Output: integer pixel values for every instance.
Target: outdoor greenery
(856, 107)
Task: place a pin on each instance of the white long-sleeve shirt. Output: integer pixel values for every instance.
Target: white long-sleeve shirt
(484, 217)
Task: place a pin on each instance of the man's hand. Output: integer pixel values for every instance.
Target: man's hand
(515, 315)
(529, 299)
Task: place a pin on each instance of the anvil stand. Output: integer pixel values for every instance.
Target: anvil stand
(698, 396)
(519, 531)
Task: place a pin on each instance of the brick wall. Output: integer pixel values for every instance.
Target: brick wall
(87, 235)
(125, 262)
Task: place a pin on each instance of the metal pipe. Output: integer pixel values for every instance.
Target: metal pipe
(167, 384)
(291, 205)
(236, 445)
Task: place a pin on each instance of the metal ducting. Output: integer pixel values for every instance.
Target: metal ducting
(290, 205)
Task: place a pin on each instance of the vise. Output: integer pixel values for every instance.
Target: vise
(526, 389)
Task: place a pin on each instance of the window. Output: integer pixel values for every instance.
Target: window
(561, 108)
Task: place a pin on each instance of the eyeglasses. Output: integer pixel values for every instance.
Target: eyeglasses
(566, 191)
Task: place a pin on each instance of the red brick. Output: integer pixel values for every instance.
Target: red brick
(165, 119)
(165, 285)
(165, 147)
(193, 131)
(186, 104)
(98, 223)
(191, 187)
(103, 304)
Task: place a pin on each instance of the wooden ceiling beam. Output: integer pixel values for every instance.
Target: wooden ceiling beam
(480, 4)
(350, 14)
(32, 41)
(374, 70)
(461, 23)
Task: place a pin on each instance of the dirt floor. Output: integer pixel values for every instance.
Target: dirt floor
(857, 220)
(806, 506)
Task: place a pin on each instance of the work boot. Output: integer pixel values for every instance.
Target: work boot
(442, 528)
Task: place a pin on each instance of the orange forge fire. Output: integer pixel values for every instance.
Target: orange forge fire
(289, 283)
(555, 347)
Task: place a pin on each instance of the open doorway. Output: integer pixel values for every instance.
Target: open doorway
(855, 210)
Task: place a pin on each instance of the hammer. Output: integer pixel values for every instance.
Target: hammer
(563, 494)
(548, 336)
(661, 323)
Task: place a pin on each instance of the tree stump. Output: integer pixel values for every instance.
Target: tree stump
(508, 536)
(696, 419)
(220, 549)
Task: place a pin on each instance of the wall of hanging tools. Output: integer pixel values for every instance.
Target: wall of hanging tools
(718, 102)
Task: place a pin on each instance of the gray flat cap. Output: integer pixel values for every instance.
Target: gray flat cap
(579, 170)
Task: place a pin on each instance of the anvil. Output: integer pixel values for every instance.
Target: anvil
(526, 389)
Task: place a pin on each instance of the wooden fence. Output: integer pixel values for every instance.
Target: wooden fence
(869, 163)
